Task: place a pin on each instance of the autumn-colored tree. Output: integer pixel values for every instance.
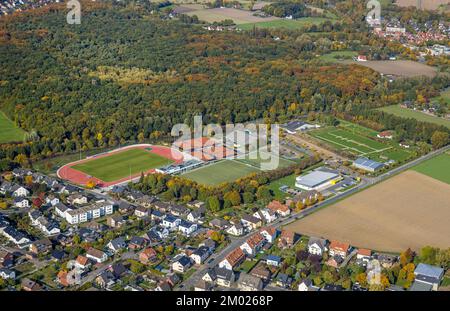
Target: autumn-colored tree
(233, 196)
(406, 257)
(361, 279)
(439, 139)
(28, 180)
(91, 184)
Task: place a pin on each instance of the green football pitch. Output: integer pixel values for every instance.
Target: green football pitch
(438, 168)
(119, 165)
(222, 171)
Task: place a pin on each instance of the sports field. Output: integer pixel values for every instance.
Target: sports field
(438, 168)
(338, 56)
(222, 171)
(265, 158)
(420, 116)
(360, 141)
(8, 131)
(122, 164)
(407, 210)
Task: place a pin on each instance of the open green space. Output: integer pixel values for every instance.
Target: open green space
(222, 171)
(437, 167)
(420, 116)
(9, 132)
(264, 157)
(285, 23)
(119, 165)
(337, 56)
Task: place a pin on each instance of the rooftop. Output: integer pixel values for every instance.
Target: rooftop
(315, 178)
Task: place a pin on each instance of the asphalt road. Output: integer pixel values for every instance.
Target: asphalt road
(365, 182)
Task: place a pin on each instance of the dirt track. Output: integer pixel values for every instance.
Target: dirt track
(408, 210)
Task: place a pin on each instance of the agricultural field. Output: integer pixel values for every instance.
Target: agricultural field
(407, 210)
(402, 68)
(360, 142)
(220, 14)
(284, 23)
(9, 132)
(222, 171)
(116, 166)
(438, 168)
(425, 5)
(420, 116)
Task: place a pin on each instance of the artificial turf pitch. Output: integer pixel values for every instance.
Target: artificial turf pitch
(119, 165)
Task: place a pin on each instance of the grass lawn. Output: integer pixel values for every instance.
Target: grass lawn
(285, 23)
(409, 113)
(247, 265)
(438, 168)
(445, 95)
(223, 171)
(9, 132)
(285, 181)
(337, 56)
(257, 162)
(117, 166)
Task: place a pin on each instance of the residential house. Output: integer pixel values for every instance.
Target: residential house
(224, 277)
(182, 264)
(332, 288)
(115, 221)
(187, 227)
(273, 260)
(117, 245)
(303, 197)
(269, 233)
(141, 212)
(236, 230)
(178, 210)
(317, 246)
(137, 242)
(172, 279)
(163, 286)
(202, 286)
(196, 216)
(305, 285)
(210, 244)
(21, 202)
(19, 191)
(248, 282)
(283, 280)
(52, 200)
(156, 215)
(262, 272)
(339, 249)
(118, 270)
(210, 276)
(200, 255)
(61, 209)
(146, 201)
(148, 255)
(48, 226)
(428, 275)
(233, 259)
(30, 286)
(250, 222)
(7, 274)
(105, 279)
(170, 222)
(266, 215)
(125, 208)
(77, 199)
(364, 255)
(57, 255)
(163, 207)
(279, 208)
(196, 204)
(82, 262)
(386, 260)
(6, 259)
(253, 244)
(17, 237)
(42, 246)
(219, 223)
(96, 255)
(287, 239)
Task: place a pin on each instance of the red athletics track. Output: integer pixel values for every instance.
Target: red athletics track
(68, 173)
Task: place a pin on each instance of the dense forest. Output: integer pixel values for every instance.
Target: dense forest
(125, 74)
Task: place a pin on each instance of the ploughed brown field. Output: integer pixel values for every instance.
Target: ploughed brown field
(407, 210)
(426, 4)
(404, 68)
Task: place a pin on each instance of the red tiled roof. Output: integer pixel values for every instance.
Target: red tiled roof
(82, 260)
(277, 206)
(339, 246)
(235, 256)
(364, 252)
(269, 230)
(255, 240)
